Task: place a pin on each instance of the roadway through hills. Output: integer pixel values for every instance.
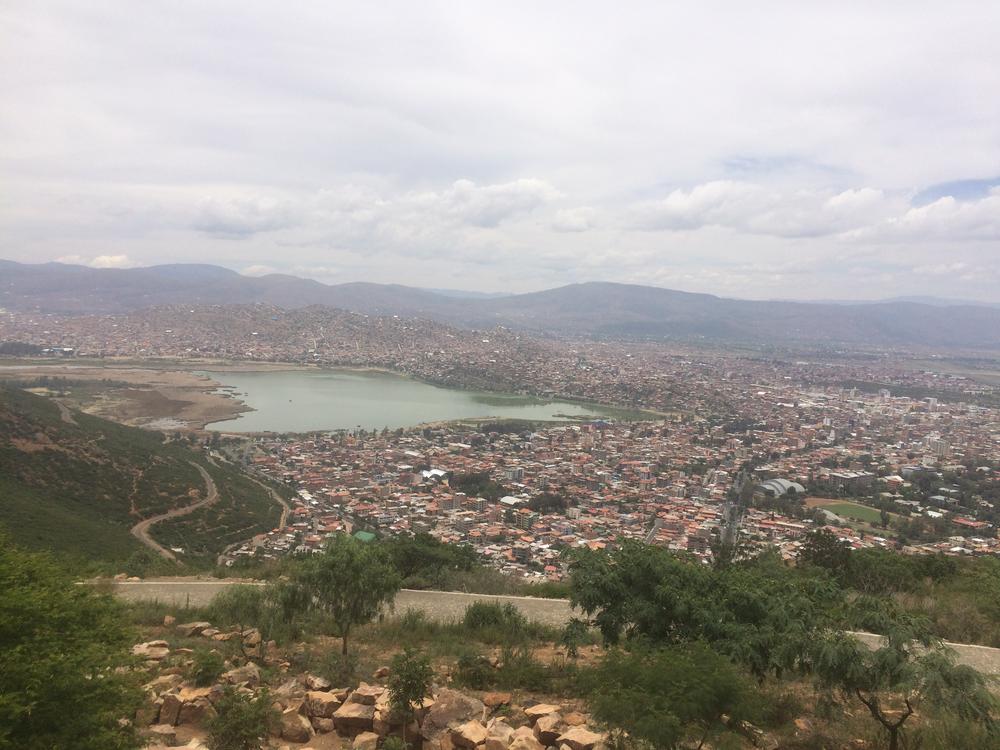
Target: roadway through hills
(450, 605)
(141, 530)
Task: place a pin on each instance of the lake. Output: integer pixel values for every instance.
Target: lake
(311, 400)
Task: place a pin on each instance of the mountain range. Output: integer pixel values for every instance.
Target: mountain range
(600, 309)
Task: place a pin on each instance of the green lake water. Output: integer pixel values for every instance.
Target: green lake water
(309, 400)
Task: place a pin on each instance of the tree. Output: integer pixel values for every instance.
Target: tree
(410, 677)
(62, 645)
(349, 581)
(823, 549)
(666, 697)
(908, 670)
(242, 721)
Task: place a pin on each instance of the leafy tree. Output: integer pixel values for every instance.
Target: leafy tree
(573, 636)
(756, 612)
(823, 549)
(61, 645)
(242, 721)
(349, 582)
(908, 670)
(409, 683)
(665, 698)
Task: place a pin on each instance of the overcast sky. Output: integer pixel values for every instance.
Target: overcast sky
(767, 149)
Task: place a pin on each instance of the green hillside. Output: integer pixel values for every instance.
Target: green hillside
(75, 484)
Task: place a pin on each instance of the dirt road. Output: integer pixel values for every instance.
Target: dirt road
(141, 530)
(450, 605)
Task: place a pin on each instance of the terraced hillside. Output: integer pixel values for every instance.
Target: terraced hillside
(76, 484)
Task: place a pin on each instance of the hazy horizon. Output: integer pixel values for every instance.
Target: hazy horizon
(783, 151)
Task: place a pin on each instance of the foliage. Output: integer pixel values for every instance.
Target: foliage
(908, 671)
(755, 612)
(662, 698)
(208, 665)
(505, 619)
(573, 636)
(410, 677)
(349, 583)
(424, 562)
(477, 485)
(59, 687)
(823, 549)
(242, 722)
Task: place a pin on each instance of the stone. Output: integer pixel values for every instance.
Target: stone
(320, 704)
(189, 629)
(366, 694)
(365, 741)
(803, 726)
(196, 711)
(492, 700)
(353, 717)
(248, 674)
(381, 673)
(469, 735)
(498, 735)
(580, 738)
(224, 636)
(164, 734)
(169, 621)
(314, 682)
(547, 728)
(209, 633)
(152, 650)
(170, 709)
(540, 709)
(148, 713)
(525, 743)
(251, 637)
(295, 727)
(575, 719)
(163, 683)
(451, 708)
(322, 726)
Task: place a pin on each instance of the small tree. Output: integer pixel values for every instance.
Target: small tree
(242, 722)
(410, 678)
(349, 581)
(892, 681)
(665, 698)
(60, 647)
(823, 549)
(573, 636)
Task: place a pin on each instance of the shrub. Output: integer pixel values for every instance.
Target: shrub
(242, 722)
(208, 666)
(503, 618)
(474, 671)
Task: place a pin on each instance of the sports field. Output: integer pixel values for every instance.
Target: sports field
(846, 509)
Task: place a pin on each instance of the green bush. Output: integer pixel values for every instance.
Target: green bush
(242, 722)
(474, 671)
(493, 616)
(208, 666)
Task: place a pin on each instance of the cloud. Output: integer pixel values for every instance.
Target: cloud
(574, 219)
(101, 261)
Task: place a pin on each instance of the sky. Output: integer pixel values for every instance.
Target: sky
(790, 150)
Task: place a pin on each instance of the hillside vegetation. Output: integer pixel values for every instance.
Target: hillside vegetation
(76, 484)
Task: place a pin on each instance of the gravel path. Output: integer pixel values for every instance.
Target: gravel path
(450, 605)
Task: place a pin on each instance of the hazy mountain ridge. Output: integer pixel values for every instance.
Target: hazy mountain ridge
(590, 309)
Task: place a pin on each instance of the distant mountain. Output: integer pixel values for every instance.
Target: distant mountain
(591, 309)
(75, 484)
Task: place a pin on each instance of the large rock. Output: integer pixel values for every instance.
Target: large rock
(525, 742)
(162, 683)
(314, 682)
(196, 711)
(451, 709)
(295, 727)
(540, 709)
(152, 650)
(493, 700)
(353, 717)
(366, 694)
(189, 629)
(547, 728)
(365, 741)
(580, 738)
(469, 735)
(248, 674)
(321, 705)
(170, 709)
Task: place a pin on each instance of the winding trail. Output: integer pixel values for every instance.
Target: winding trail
(141, 530)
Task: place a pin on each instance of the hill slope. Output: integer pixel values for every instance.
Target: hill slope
(76, 484)
(592, 309)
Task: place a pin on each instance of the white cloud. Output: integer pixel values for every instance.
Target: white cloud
(574, 219)
(101, 261)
